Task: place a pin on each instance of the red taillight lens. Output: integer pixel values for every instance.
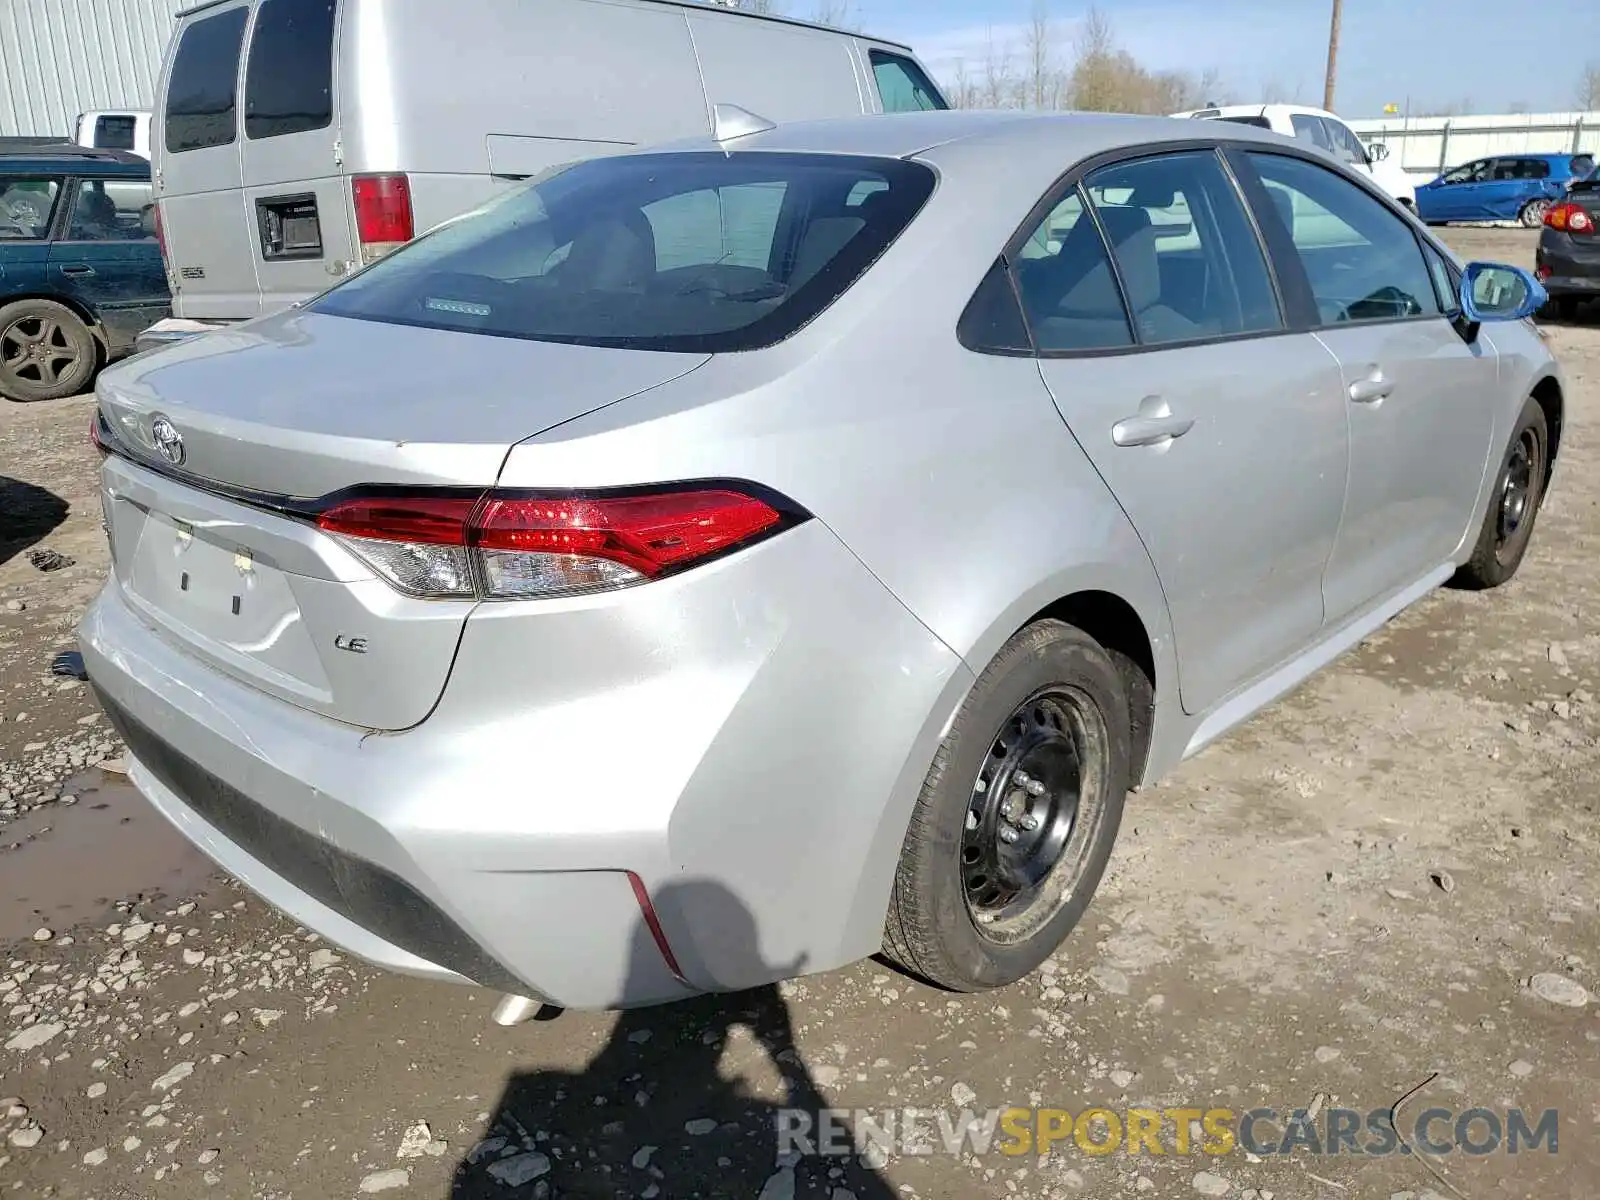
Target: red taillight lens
(383, 213)
(505, 545)
(161, 233)
(1573, 218)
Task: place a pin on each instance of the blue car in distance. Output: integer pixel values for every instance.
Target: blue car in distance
(81, 274)
(1508, 187)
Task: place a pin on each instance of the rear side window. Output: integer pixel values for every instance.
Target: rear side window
(27, 205)
(1363, 261)
(205, 71)
(902, 85)
(1310, 130)
(1188, 258)
(289, 80)
(678, 252)
(1533, 168)
(110, 210)
(114, 133)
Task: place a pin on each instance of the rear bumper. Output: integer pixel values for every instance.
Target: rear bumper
(1573, 264)
(760, 799)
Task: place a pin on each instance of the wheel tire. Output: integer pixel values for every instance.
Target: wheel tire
(940, 925)
(46, 351)
(1513, 505)
(1532, 214)
(1564, 308)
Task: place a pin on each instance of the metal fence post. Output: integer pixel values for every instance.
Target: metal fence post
(1444, 147)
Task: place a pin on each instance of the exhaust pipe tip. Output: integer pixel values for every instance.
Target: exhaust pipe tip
(516, 1010)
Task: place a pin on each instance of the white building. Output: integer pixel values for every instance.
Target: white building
(59, 58)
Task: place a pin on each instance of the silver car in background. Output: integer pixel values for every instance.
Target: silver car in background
(712, 565)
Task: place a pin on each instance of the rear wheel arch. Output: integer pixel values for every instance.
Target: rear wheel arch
(77, 309)
(1117, 626)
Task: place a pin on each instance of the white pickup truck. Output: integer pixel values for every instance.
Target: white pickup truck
(115, 129)
(1327, 133)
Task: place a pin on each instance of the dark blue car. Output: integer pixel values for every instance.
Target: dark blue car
(1509, 187)
(80, 267)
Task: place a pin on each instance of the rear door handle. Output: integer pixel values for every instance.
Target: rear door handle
(1371, 390)
(1156, 425)
(77, 270)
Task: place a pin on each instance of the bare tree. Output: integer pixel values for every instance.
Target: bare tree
(962, 90)
(1276, 91)
(1043, 83)
(841, 14)
(998, 87)
(1589, 88)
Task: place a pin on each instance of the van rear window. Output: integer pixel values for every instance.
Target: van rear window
(289, 80)
(678, 252)
(205, 71)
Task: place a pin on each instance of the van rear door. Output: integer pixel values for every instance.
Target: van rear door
(198, 172)
(297, 206)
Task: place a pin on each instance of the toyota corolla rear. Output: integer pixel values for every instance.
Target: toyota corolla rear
(575, 739)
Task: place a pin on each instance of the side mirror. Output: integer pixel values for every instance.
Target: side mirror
(1377, 151)
(1496, 292)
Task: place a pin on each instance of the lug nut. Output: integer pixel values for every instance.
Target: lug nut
(1030, 822)
(1008, 835)
(1035, 788)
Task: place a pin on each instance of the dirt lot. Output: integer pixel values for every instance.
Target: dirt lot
(1339, 907)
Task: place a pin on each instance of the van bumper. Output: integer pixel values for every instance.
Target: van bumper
(173, 330)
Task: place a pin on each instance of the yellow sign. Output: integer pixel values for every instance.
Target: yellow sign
(1391, 108)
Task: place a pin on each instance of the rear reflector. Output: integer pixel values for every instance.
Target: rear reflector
(383, 213)
(507, 545)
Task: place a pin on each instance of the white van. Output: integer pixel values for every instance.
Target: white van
(115, 129)
(298, 140)
(1320, 128)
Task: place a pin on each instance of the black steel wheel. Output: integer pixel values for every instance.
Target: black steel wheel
(1018, 814)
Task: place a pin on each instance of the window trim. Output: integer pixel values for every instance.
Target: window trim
(247, 51)
(1294, 266)
(1073, 180)
(246, 35)
(53, 228)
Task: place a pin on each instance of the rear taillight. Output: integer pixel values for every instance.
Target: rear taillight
(161, 233)
(383, 213)
(511, 545)
(1573, 218)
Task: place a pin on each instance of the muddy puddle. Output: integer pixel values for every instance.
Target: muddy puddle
(73, 862)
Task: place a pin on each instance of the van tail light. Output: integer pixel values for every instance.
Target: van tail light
(383, 214)
(505, 545)
(1573, 218)
(161, 233)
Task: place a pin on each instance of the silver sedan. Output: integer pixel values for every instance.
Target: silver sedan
(710, 565)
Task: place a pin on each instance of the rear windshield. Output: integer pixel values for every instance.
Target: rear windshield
(200, 111)
(1257, 122)
(685, 252)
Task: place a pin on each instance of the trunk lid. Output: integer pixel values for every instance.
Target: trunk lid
(294, 407)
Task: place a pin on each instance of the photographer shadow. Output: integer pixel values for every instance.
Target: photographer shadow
(653, 1115)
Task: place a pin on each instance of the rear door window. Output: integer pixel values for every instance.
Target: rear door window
(200, 93)
(1068, 290)
(27, 206)
(1362, 260)
(692, 252)
(110, 210)
(1310, 130)
(1187, 256)
(114, 133)
(902, 85)
(1533, 168)
(289, 80)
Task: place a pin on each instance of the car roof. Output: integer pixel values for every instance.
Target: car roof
(1064, 138)
(69, 158)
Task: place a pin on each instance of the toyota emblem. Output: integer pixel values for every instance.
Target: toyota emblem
(167, 439)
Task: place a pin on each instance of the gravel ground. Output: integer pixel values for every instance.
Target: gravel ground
(1381, 890)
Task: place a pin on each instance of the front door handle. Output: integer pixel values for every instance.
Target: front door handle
(1156, 425)
(77, 270)
(1372, 389)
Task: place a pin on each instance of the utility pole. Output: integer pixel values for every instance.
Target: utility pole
(1333, 55)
